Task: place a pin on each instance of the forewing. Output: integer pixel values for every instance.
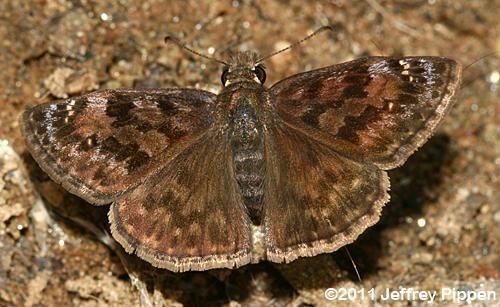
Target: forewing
(100, 145)
(189, 215)
(374, 109)
(316, 201)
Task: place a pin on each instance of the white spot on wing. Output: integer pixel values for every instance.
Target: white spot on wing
(390, 106)
(379, 67)
(96, 99)
(48, 120)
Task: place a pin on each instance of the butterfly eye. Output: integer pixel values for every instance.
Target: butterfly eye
(223, 77)
(260, 73)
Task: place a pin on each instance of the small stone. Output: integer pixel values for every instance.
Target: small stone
(422, 257)
(64, 81)
(496, 217)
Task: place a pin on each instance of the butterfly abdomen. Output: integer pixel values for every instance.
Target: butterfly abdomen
(248, 158)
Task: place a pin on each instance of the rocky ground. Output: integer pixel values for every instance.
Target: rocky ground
(440, 229)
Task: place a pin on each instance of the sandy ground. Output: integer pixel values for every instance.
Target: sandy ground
(441, 228)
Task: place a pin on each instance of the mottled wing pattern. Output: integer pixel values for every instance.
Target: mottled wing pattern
(102, 144)
(374, 109)
(316, 200)
(188, 216)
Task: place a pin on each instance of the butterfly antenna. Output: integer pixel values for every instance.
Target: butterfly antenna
(323, 28)
(185, 47)
(481, 58)
(353, 264)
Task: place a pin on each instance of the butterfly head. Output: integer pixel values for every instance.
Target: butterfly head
(243, 66)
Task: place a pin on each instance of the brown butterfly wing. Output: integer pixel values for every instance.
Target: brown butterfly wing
(316, 200)
(374, 109)
(102, 144)
(189, 215)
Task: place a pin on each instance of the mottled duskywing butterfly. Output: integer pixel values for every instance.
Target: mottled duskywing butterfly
(200, 181)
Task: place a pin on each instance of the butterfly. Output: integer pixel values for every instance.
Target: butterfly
(198, 180)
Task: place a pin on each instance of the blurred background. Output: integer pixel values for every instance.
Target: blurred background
(441, 228)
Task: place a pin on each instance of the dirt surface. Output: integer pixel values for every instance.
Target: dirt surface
(441, 228)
